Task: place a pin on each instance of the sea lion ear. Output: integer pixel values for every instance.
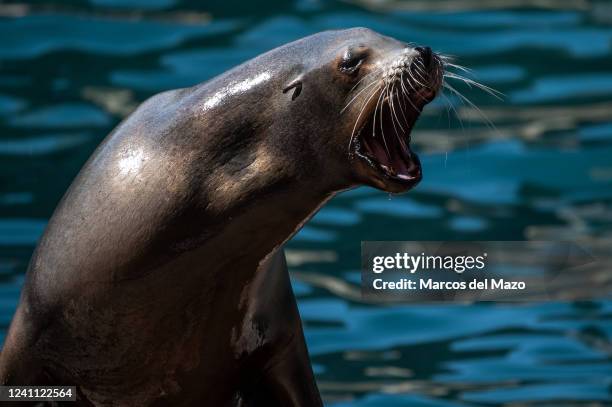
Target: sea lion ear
(296, 85)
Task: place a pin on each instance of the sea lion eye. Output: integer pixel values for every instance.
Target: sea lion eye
(351, 61)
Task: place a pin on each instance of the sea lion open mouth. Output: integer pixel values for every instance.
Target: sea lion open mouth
(392, 102)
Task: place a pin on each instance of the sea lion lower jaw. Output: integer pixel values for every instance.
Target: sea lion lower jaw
(159, 279)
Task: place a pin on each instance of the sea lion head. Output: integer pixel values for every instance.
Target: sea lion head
(367, 90)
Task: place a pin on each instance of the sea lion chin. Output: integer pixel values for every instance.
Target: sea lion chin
(160, 277)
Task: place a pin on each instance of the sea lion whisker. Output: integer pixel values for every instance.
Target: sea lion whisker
(410, 80)
(451, 106)
(420, 66)
(421, 71)
(368, 75)
(389, 98)
(445, 61)
(471, 104)
(487, 89)
(399, 138)
(375, 81)
(403, 94)
(405, 89)
(411, 73)
(460, 67)
(448, 107)
(379, 103)
(421, 77)
(415, 79)
(365, 103)
(375, 110)
(393, 107)
(380, 95)
(402, 86)
(408, 93)
(357, 95)
(402, 102)
(440, 69)
(363, 107)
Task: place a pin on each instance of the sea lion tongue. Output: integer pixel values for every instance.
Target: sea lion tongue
(400, 161)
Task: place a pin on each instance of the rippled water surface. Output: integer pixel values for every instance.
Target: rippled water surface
(69, 71)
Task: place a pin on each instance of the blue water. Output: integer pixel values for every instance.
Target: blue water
(69, 71)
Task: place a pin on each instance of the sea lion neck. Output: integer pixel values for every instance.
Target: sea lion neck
(263, 207)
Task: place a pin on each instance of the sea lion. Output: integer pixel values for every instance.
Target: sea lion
(160, 280)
